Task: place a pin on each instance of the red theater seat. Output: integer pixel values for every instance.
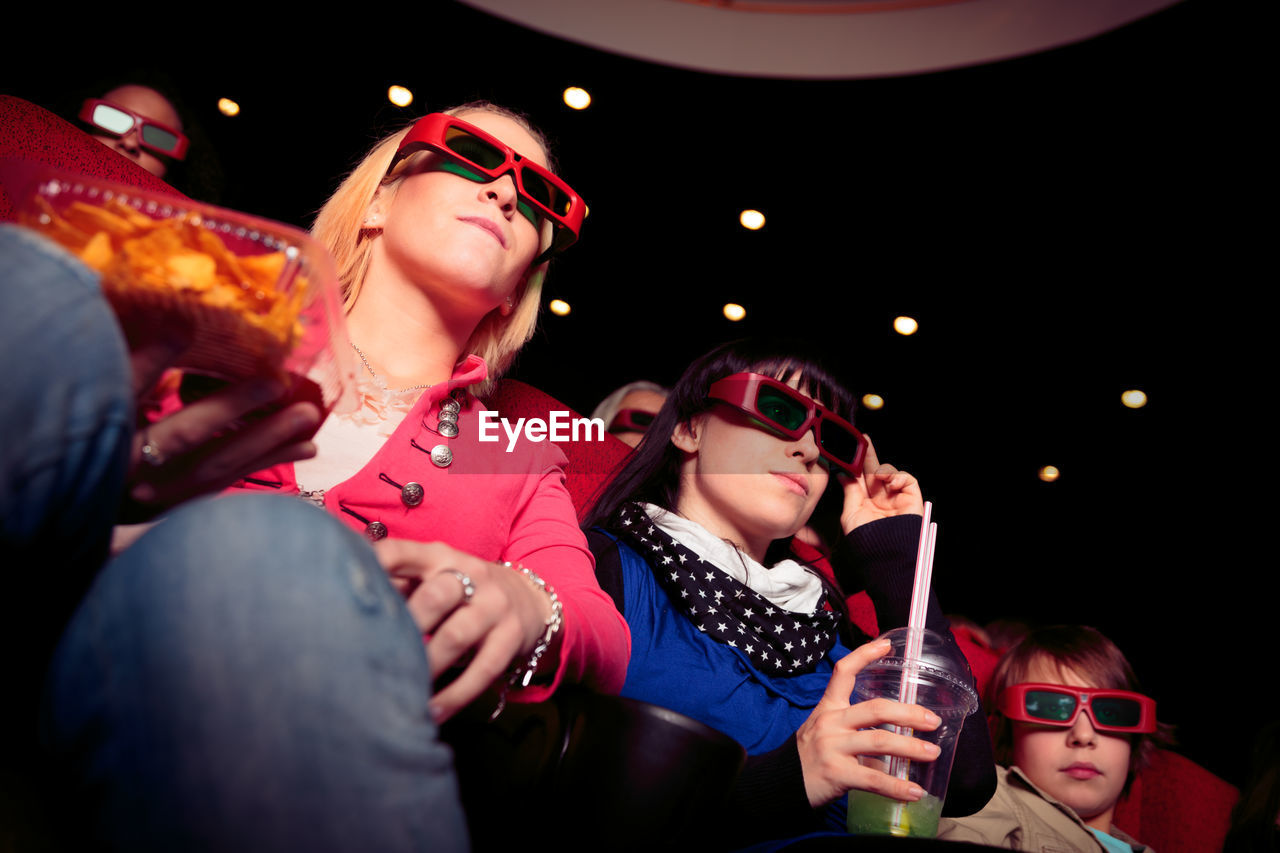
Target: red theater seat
(591, 463)
(1177, 806)
(31, 137)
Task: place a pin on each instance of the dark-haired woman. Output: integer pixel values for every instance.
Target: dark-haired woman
(692, 540)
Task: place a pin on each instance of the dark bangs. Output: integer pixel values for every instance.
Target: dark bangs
(778, 358)
(652, 472)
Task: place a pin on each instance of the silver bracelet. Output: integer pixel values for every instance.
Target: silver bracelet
(523, 674)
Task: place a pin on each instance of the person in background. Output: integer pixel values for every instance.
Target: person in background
(139, 123)
(629, 410)
(1003, 634)
(1255, 820)
(1071, 729)
(142, 116)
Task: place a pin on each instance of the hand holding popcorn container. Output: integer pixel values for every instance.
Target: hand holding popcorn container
(246, 296)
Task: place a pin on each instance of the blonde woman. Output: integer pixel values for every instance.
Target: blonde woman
(287, 698)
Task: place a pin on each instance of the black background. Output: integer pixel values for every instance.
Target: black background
(1064, 226)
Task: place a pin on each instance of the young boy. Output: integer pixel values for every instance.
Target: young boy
(1072, 731)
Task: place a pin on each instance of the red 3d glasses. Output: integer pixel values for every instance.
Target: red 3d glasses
(478, 156)
(1059, 705)
(781, 409)
(117, 121)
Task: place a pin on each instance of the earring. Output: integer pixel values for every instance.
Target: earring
(507, 307)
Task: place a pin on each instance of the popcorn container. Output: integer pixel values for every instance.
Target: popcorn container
(248, 296)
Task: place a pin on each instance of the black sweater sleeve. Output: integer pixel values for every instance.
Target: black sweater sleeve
(769, 798)
(883, 562)
(608, 566)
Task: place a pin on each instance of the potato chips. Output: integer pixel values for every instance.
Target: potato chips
(243, 310)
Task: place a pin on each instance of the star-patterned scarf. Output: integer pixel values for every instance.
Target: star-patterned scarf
(779, 617)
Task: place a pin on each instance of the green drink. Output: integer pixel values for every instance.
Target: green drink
(936, 677)
(872, 814)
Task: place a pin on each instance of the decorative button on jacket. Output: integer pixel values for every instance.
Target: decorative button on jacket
(498, 505)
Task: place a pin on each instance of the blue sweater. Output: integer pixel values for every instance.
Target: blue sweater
(676, 666)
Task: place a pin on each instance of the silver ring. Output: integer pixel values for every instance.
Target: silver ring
(468, 588)
(151, 451)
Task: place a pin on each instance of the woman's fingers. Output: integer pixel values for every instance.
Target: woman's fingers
(183, 455)
(883, 473)
(836, 757)
(197, 423)
(840, 685)
(478, 616)
(489, 664)
(899, 480)
(870, 462)
(242, 452)
(442, 609)
(844, 747)
(880, 712)
(863, 778)
(426, 571)
(879, 491)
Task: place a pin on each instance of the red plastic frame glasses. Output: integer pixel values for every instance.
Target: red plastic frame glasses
(469, 145)
(1108, 710)
(784, 410)
(93, 112)
(631, 420)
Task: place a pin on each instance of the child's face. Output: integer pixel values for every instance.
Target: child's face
(1078, 766)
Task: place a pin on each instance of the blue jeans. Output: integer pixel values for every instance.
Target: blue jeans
(66, 423)
(68, 410)
(244, 677)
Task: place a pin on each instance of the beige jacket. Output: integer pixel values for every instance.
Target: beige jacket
(1021, 817)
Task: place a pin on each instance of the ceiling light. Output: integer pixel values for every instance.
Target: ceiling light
(1134, 398)
(400, 96)
(577, 98)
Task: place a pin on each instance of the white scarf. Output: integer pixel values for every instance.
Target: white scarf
(787, 584)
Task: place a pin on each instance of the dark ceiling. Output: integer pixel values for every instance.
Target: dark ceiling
(1055, 222)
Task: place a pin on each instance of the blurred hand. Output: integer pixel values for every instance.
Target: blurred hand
(880, 491)
(503, 621)
(200, 448)
(833, 737)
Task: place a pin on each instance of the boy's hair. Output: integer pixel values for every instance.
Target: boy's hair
(1087, 653)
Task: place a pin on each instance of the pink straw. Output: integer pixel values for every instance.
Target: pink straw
(919, 601)
(915, 633)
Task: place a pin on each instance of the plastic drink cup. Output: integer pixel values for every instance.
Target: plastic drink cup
(941, 680)
(872, 814)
